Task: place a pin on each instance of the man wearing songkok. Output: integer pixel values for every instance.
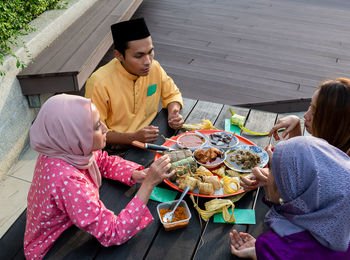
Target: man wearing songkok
(128, 89)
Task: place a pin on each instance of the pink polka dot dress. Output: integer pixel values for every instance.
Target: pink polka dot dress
(61, 196)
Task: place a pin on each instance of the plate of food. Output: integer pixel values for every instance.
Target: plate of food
(243, 158)
(223, 140)
(209, 157)
(205, 183)
(210, 182)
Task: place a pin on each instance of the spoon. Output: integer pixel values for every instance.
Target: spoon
(168, 217)
(168, 139)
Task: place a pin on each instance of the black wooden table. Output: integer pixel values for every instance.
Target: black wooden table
(200, 239)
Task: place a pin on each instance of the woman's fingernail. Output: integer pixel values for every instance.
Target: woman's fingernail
(255, 183)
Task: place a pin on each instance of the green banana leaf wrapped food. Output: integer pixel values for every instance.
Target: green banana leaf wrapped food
(185, 165)
(177, 155)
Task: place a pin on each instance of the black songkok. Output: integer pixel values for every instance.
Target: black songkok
(127, 31)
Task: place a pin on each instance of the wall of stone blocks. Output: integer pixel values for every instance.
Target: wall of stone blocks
(15, 115)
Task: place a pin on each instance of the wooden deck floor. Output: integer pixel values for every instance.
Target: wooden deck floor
(244, 52)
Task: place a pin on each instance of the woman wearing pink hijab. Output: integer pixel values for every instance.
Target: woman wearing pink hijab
(68, 135)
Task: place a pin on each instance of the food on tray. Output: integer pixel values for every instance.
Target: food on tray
(220, 171)
(210, 155)
(188, 162)
(190, 141)
(213, 180)
(205, 188)
(247, 159)
(201, 170)
(187, 180)
(177, 155)
(202, 180)
(233, 173)
(180, 171)
(220, 139)
(230, 185)
(204, 124)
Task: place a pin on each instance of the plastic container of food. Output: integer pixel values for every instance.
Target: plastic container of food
(175, 224)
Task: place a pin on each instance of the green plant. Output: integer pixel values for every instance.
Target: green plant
(15, 16)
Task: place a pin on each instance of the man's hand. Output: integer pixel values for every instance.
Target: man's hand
(147, 134)
(175, 120)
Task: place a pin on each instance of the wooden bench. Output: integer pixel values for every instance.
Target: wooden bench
(66, 64)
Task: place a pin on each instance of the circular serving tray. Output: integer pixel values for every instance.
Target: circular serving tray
(173, 185)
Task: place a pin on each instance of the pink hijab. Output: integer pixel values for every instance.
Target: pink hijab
(63, 129)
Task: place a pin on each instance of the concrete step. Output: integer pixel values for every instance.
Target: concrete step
(14, 188)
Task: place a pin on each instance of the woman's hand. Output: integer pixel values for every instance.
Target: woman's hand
(139, 176)
(290, 123)
(156, 173)
(242, 245)
(269, 149)
(257, 178)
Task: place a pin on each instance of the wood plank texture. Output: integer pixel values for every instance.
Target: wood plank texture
(169, 244)
(216, 235)
(249, 51)
(11, 244)
(199, 240)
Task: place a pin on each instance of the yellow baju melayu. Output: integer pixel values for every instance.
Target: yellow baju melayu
(127, 102)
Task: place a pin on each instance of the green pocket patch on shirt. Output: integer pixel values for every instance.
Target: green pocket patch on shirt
(151, 90)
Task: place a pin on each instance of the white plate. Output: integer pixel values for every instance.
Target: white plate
(264, 157)
(234, 140)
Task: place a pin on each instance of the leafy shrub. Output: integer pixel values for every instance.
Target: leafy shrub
(15, 16)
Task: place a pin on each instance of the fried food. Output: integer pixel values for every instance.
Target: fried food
(207, 155)
(233, 173)
(213, 180)
(220, 171)
(180, 171)
(201, 170)
(205, 188)
(186, 180)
